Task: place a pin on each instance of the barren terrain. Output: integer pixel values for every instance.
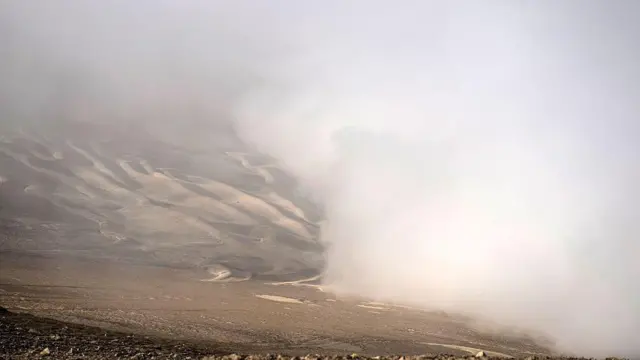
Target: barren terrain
(200, 243)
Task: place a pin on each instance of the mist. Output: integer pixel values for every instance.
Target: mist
(477, 158)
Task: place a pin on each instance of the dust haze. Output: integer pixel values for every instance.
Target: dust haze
(474, 157)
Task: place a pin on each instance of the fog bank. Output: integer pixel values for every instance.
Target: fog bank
(472, 157)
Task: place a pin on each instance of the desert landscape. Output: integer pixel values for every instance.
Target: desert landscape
(306, 180)
(124, 233)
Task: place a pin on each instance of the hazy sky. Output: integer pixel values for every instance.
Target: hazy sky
(473, 156)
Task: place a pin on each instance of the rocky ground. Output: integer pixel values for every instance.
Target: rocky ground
(24, 336)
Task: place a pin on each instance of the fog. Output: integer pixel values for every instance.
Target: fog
(475, 157)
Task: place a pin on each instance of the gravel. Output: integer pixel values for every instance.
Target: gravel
(24, 336)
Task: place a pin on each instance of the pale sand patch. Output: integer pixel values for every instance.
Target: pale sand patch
(281, 299)
(115, 237)
(274, 198)
(296, 282)
(145, 164)
(70, 181)
(372, 307)
(151, 221)
(295, 227)
(302, 282)
(41, 140)
(40, 156)
(96, 179)
(165, 188)
(143, 219)
(471, 350)
(390, 305)
(25, 161)
(96, 163)
(376, 303)
(253, 204)
(30, 189)
(222, 273)
(266, 175)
